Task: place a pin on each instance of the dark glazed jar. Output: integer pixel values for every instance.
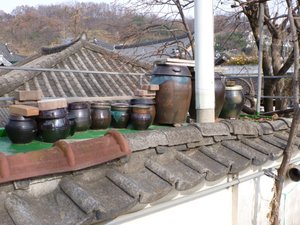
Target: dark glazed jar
(82, 115)
(20, 129)
(53, 125)
(148, 102)
(72, 123)
(100, 115)
(234, 100)
(219, 96)
(174, 95)
(140, 117)
(120, 114)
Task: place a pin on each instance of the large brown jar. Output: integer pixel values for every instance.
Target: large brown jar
(100, 115)
(140, 117)
(21, 129)
(219, 96)
(82, 115)
(174, 95)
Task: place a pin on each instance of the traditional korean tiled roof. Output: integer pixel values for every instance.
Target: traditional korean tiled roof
(162, 163)
(8, 55)
(120, 74)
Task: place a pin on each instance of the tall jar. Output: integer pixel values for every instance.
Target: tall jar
(82, 115)
(100, 115)
(120, 115)
(147, 102)
(234, 101)
(219, 95)
(174, 95)
(140, 117)
(53, 125)
(21, 129)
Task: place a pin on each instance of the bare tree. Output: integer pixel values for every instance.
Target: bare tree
(277, 33)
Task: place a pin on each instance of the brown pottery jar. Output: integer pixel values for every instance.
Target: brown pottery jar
(140, 117)
(100, 115)
(148, 102)
(174, 95)
(82, 115)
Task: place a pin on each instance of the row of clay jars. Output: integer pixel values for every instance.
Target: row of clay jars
(139, 116)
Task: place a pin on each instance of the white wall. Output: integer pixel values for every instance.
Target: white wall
(244, 204)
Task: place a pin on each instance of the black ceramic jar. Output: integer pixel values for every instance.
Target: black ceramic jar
(53, 125)
(100, 115)
(81, 112)
(21, 129)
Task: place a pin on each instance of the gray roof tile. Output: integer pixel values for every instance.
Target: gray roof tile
(260, 145)
(213, 129)
(242, 127)
(227, 157)
(255, 156)
(278, 125)
(213, 169)
(182, 135)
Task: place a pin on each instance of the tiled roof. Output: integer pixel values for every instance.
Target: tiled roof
(8, 55)
(163, 162)
(118, 78)
(151, 51)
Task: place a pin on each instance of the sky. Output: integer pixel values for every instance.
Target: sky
(9, 5)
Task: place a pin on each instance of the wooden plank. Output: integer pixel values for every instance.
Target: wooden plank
(23, 110)
(29, 95)
(150, 87)
(50, 104)
(103, 99)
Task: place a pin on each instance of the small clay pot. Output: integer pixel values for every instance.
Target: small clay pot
(148, 102)
(100, 115)
(140, 117)
(21, 129)
(82, 115)
(120, 114)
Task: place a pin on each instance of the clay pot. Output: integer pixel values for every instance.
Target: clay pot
(148, 102)
(20, 129)
(219, 96)
(120, 115)
(100, 115)
(53, 125)
(82, 115)
(140, 117)
(174, 95)
(234, 101)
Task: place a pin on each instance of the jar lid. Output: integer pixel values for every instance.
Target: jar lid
(78, 105)
(234, 88)
(141, 106)
(120, 106)
(19, 118)
(142, 101)
(53, 113)
(100, 105)
(171, 70)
